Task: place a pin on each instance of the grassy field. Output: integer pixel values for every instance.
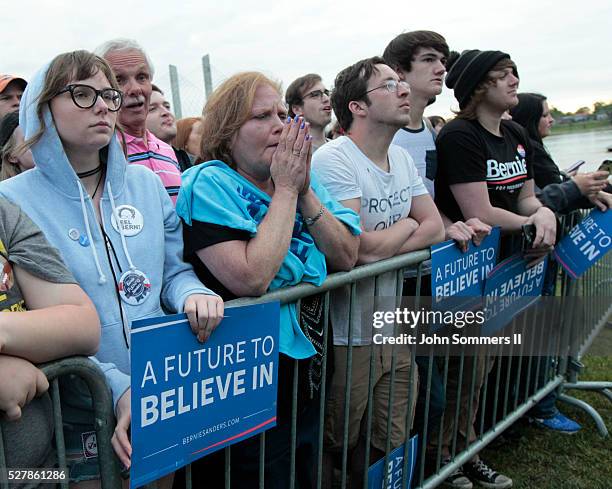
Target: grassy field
(540, 459)
(581, 127)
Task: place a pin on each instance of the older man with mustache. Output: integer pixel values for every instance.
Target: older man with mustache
(134, 72)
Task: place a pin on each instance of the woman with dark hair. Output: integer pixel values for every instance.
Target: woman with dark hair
(561, 194)
(557, 191)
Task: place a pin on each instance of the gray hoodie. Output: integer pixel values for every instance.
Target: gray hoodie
(149, 243)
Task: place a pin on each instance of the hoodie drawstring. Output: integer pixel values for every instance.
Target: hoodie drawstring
(101, 276)
(119, 226)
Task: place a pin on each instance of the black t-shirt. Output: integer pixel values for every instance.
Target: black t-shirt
(545, 170)
(467, 152)
(203, 234)
(183, 158)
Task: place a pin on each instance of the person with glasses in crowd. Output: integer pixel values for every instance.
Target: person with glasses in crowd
(114, 225)
(307, 97)
(366, 173)
(134, 72)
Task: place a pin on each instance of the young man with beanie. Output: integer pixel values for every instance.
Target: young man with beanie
(484, 171)
(366, 173)
(11, 90)
(486, 161)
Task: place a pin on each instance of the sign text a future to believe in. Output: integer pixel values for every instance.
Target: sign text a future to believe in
(190, 399)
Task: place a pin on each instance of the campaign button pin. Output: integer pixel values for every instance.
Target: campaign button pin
(134, 287)
(130, 218)
(74, 234)
(83, 240)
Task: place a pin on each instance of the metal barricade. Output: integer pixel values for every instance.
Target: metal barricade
(104, 420)
(512, 385)
(596, 289)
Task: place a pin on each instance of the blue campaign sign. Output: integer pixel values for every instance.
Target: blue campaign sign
(458, 274)
(510, 288)
(395, 467)
(586, 243)
(190, 399)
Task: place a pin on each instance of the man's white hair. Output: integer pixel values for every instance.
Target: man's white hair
(123, 44)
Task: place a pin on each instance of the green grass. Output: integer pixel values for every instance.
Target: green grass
(545, 460)
(580, 127)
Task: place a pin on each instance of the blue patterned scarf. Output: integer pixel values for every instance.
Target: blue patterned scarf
(214, 193)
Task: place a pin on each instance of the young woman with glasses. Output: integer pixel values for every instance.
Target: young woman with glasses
(114, 225)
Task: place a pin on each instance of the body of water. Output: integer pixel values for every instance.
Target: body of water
(589, 146)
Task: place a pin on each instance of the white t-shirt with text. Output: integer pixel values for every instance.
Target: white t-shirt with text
(386, 197)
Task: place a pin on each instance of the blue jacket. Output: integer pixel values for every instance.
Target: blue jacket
(51, 194)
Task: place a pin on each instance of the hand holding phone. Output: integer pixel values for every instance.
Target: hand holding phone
(606, 165)
(529, 234)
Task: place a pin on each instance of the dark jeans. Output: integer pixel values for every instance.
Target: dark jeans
(437, 397)
(437, 403)
(547, 408)
(209, 472)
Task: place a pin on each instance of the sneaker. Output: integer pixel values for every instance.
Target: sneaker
(559, 423)
(457, 480)
(485, 476)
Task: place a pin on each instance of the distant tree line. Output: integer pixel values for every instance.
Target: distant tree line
(600, 111)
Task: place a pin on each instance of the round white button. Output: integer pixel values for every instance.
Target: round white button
(130, 218)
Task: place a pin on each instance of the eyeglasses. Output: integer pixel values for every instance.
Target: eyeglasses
(86, 97)
(317, 94)
(392, 86)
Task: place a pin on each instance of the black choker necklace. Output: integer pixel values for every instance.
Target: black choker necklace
(90, 172)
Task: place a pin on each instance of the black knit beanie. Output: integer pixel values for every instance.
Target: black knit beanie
(467, 70)
(8, 124)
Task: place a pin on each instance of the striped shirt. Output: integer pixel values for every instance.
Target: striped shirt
(158, 157)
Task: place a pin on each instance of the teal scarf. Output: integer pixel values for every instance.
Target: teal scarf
(214, 193)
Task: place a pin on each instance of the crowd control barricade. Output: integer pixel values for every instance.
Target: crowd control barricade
(86, 370)
(595, 287)
(514, 382)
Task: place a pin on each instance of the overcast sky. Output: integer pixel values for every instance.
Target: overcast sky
(562, 50)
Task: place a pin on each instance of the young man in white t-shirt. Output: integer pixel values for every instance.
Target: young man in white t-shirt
(379, 181)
